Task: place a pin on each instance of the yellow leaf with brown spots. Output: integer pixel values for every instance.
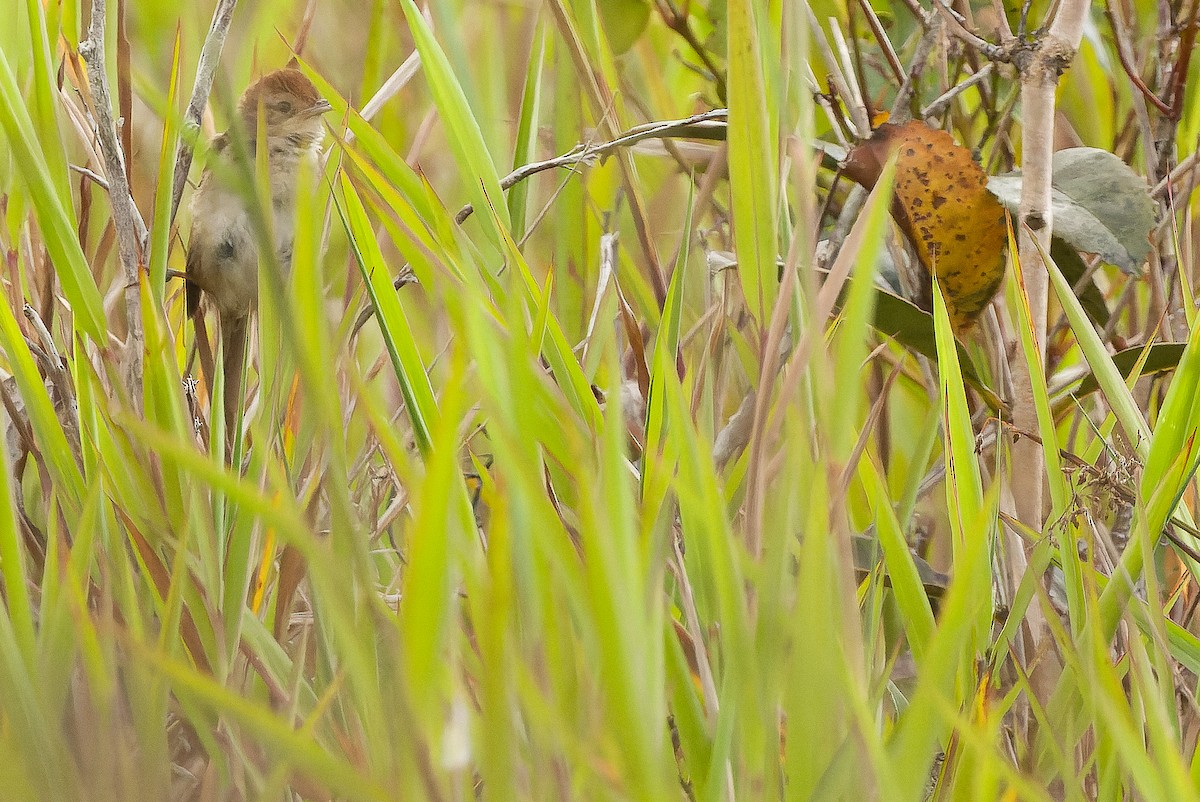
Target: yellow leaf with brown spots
(943, 205)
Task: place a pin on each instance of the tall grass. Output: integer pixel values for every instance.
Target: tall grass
(622, 498)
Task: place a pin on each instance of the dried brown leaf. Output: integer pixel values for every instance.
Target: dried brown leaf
(943, 205)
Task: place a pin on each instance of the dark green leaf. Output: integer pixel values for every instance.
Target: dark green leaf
(1073, 267)
(1163, 356)
(911, 326)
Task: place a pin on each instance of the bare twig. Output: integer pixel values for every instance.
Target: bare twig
(206, 70)
(98, 179)
(1187, 43)
(933, 30)
(124, 91)
(837, 81)
(939, 105)
(129, 245)
(1006, 34)
(1113, 11)
(1182, 169)
(678, 22)
(65, 403)
(881, 38)
(954, 23)
(707, 125)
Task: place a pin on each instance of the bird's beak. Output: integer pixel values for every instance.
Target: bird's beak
(319, 108)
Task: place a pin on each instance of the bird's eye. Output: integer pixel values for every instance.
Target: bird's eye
(284, 106)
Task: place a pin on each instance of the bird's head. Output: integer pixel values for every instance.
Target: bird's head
(290, 102)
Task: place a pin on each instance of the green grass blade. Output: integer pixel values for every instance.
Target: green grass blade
(402, 347)
(55, 216)
(751, 161)
(466, 140)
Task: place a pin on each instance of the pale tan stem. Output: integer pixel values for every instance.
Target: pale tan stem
(130, 245)
(1040, 70)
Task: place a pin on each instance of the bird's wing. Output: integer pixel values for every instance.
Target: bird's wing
(192, 288)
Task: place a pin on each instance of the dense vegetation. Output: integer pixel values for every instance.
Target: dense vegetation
(606, 440)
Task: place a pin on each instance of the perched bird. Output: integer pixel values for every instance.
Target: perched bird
(222, 256)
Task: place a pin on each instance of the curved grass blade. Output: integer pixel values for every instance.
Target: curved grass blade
(402, 348)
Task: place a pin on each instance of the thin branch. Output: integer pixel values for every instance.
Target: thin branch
(66, 405)
(707, 125)
(881, 38)
(939, 105)
(677, 21)
(96, 178)
(836, 80)
(206, 70)
(1126, 64)
(954, 23)
(933, 31)
(1182, 169)
(1179, 73)
(1006, 34)
(129, 245)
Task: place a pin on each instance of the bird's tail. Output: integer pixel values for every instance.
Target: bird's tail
(234, 334)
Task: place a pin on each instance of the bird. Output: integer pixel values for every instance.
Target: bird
(223, 251)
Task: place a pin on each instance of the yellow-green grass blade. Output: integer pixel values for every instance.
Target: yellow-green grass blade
(47, 429)
(1112, 384)
(402, 347)
(442, 526)
(55, 216)
(714, 564)
(826, 618)
(38, 748)
(41, 98)
(1056, 478)
(466, 140)
(375, 145)
(971, 520)
(1019, 302)
(752, 167)
(657, 465)
(945, 682)
(410, 231)
(963, 623)
(164, 405)
(527, 127)
(311, 336)
(627, 614)
(852, 332)
(916, 611)
(13, 568)
(555, 347)
(298, 749)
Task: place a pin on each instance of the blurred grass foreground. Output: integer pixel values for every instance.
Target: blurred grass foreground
(602, 442)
